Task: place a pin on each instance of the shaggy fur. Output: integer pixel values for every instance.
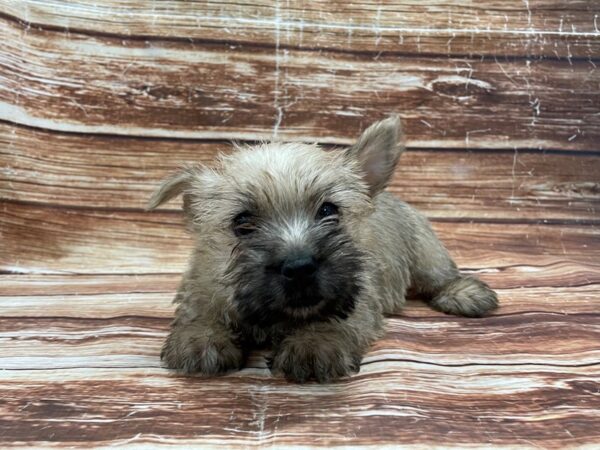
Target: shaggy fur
(302, 250)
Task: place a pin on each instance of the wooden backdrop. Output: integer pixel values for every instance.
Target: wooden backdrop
(100, 100)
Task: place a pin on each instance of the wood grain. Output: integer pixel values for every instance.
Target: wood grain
(523, 288)
(149, 296)
(405, 400)
(535, 28)
(187, 90)
(535, 367)
(533, 338)
(431, 374)
(113, 172)
(553, 408)
(47, 240)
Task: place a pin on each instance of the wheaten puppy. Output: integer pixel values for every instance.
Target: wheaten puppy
(301, 249)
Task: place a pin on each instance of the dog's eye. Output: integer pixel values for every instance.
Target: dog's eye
(327, 210)
(243, 224)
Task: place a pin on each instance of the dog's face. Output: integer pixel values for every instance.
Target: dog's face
(289, 215)
(283, 221)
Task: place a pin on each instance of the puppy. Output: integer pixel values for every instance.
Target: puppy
(301, 249)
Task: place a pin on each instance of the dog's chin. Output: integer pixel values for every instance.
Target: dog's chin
(301, 295)
(303, 302)
(308, 301)
(305, 312)
(300, 306)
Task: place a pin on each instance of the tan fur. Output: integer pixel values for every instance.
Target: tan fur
(374, 251)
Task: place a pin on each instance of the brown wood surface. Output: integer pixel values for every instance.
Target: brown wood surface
(437, 373)
(551, 28)
(110, 385)
(101, 100)
(111, 172)
(56, 240)
(141, 406)
(187, 90)
(149, 295)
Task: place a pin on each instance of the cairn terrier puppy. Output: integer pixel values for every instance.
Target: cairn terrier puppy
(301, 249)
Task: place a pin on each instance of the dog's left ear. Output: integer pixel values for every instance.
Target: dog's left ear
(377, 151)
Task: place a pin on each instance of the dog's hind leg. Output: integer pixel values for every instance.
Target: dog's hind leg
(450, 292)
(435, 275)
(412, 259)
(464, 296)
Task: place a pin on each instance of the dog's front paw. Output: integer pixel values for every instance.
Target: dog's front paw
(300, 360)
(193, 350)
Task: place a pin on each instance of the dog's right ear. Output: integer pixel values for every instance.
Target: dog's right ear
(171, 187)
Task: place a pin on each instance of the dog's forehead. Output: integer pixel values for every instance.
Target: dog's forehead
(277, 181)
(282, 160)
(286, 172)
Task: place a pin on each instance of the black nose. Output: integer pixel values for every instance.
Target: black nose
(299, 267)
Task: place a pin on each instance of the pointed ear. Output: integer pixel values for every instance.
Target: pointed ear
(171, 187)
(377, 152)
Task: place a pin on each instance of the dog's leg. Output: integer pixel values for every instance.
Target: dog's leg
(327, 350)
(464, 296)
(202, 346)
(436, 276)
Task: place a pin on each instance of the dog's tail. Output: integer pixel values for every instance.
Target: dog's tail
(465, 296)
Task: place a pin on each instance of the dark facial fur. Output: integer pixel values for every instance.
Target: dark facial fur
(263, 295)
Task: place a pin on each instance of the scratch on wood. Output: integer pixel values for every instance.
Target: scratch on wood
(377, 26)
(505, 73)
(278, 108)
(514, 164)
(535, 105)
(526, 2)
(259, 399)
(469, 133)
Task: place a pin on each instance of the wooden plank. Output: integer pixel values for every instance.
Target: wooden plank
(91, 170)
(181, 89)
(99, 381)
(534, 338)
(150, 296)
(120, 173)
(405, 404)
(408, 399)
(46, 240)
(81, 286)
(537, 27)
(92, 373)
